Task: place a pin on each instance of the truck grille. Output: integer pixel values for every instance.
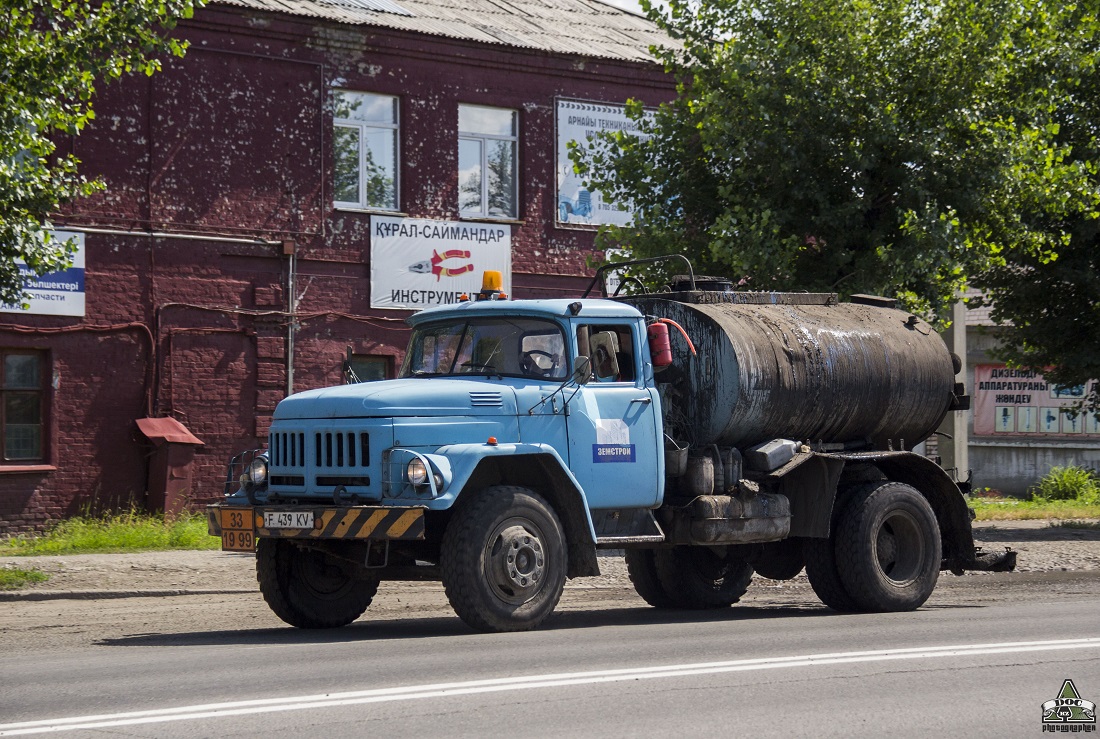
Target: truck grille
(330, 449)
(323, 459)
(341, 449)
(288, 449)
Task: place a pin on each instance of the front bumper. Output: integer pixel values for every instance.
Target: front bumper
(240, 526)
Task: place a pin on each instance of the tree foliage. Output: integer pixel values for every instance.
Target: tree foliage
(899, 147)
(1050, 308)
(53, 53)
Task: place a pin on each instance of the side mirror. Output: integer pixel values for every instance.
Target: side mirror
(582, 373)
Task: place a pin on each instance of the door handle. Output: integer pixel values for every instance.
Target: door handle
(642, 400)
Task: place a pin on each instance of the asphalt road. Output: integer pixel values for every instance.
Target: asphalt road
(980, 669)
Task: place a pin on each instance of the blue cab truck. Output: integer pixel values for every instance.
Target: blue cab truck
(708, 433)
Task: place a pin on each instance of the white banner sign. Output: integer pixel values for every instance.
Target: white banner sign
(579, 121)
(57, 293)
(417, 263)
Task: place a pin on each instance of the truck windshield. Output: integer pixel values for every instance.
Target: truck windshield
(518, 347)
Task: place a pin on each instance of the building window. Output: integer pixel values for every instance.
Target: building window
(367, 368)
(22, 407)
(365, 147)
(487, 171)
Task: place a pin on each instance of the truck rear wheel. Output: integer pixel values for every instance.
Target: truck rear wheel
(641, 566)
(698, 577)
(503, 559)
(888, 548)
(820, 556)
(780, 560)
(310, 589)
(821, 570)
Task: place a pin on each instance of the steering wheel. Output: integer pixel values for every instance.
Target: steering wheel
(531, 366)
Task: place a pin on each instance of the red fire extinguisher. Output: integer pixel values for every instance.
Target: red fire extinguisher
(660, 348)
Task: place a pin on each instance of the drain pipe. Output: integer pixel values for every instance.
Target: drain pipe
(289, 250)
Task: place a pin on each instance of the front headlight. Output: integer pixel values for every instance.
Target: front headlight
(416, 472)
(257, 471)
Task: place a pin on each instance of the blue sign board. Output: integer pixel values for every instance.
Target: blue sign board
(57, 293)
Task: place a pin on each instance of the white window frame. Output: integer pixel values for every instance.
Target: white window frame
(363, 127)
(483, 139)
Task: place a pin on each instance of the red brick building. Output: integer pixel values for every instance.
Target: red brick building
(229, 261)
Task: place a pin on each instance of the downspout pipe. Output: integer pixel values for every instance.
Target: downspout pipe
(290, 250)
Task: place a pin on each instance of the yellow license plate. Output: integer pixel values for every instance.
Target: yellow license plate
(238, 530)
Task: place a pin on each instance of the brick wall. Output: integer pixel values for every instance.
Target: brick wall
(232, 148)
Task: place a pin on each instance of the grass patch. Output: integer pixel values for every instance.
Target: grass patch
(1068, 483)
(14, 578)
(125, 532)
(1063, 493)
(1014, 509)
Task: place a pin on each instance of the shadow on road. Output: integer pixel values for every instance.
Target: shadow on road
(433, 627)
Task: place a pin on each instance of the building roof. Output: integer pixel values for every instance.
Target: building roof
(588, 28)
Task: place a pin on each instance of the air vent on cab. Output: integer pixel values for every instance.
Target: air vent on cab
(486, 399)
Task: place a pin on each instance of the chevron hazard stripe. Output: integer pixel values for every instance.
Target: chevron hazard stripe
(358, 522)
(353, 523)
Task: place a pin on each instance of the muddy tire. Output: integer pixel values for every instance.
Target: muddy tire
(310, 589)
(888, 548)
(503, 559)
(821, 566)
(699, 578)
(780, 560)
(641, 566)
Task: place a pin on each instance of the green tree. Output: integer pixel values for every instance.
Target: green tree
(1050, 308)
(53, 53)
(899, 147)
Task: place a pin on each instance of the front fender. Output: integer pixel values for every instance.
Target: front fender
(465, 459)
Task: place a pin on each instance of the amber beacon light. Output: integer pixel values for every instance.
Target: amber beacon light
(492, 283)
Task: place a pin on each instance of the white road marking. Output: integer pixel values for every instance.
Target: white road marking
(474, 687)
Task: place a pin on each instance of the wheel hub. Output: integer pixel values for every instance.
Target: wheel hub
(518, 563)
(323, 577)
(899, 547)
(887, 546)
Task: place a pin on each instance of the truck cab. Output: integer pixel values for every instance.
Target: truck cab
(484, 381)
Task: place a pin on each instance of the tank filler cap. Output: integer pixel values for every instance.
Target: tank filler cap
(876, 301)
(706, 283)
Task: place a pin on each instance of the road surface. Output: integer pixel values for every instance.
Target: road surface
(979, 660)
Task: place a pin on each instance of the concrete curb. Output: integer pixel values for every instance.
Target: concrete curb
(35, 595)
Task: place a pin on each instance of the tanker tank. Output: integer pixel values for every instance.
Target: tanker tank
(802, 367)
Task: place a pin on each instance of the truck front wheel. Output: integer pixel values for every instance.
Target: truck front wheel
(310, 589)
(503, 559)
(888, 548)
(700, 577)
(780, 560)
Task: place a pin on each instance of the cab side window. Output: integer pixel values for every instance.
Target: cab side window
(610, 348)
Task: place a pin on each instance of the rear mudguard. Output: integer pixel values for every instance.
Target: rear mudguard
(947, 501)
